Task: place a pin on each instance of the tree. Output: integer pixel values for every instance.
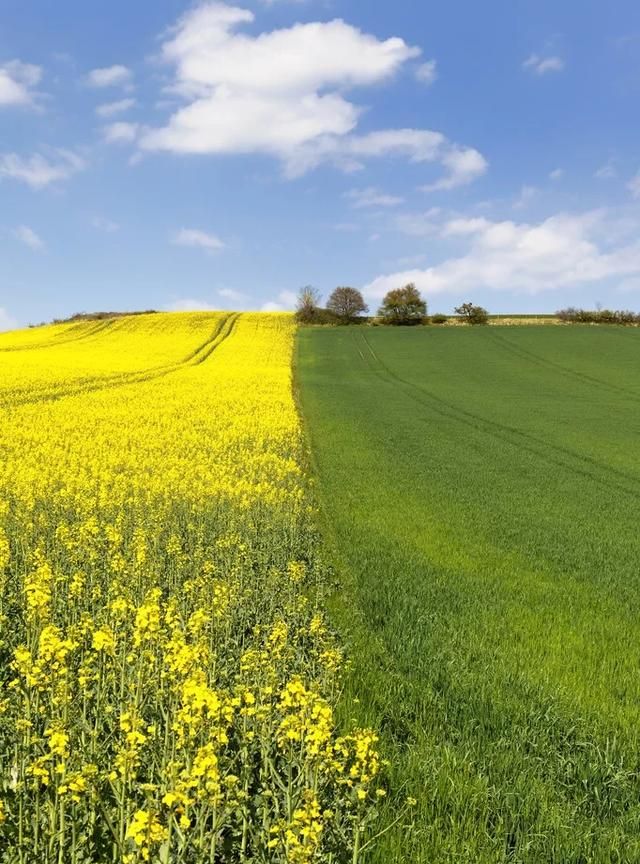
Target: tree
(472, 314)
(347, 304)
(403, 306)
(308, 305)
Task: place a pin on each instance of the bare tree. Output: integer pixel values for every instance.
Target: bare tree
(308, 305)
(346, 304)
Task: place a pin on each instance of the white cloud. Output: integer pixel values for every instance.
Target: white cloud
(634, 185)
(109, 76)
(419, 224)
(282, 93)
(39, 171)
(29, 237)
(120, 132)
(198, 239)
(607, 171)
(462, 164)
(285, 302)
(556, 174)
(190, 304)
(103, 224)
(527, 194)
(461, 227)
(372, 197)
(232, 294)
(426, 73)
(563, 250)
(109, 109)
(543, 65)
(16, 82)
(6, 321)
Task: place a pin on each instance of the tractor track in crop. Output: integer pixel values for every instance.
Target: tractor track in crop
(223, 330)
(551, 453)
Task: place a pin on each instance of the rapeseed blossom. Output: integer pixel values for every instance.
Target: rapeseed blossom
(170, 695)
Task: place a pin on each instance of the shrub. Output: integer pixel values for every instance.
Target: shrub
(346, 304)
(403, 306)
(439, 318)
(472, 314)
(571, 315)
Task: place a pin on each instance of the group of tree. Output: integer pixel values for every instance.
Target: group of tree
(344, 306)
(598, 316)
(400, 306)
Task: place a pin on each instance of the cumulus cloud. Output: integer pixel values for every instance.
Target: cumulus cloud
(17, 81)
(29, 237)
(109, 76)
(282, 93)
(371, 197)
(110, 109)
(198, 239)
(563, 250)
(6, 321)
(426, 73)
(38, 171)
(543, 65)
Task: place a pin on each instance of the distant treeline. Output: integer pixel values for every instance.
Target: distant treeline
(93, 316)
(598, 316)
(100, 316)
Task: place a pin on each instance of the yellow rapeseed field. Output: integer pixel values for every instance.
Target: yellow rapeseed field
(167, 674)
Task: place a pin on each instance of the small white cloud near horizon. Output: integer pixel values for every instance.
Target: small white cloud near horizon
(543, 65)
(7, 322)
(634, 185)
(29, 237)
(427, 73)
(371, 197)
(110, 109)
(285, 302)
(109, 76)
(17, 80)
(556, 174)
(527, 258)
(38, 171)
(232, 294)
(195, 238)
(190, 304)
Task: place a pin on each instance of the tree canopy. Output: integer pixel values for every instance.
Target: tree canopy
(403, 306)
(346, 303)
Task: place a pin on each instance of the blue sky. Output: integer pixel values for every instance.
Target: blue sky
(175, 155)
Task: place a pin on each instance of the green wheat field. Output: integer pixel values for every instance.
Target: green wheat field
(480, 493)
